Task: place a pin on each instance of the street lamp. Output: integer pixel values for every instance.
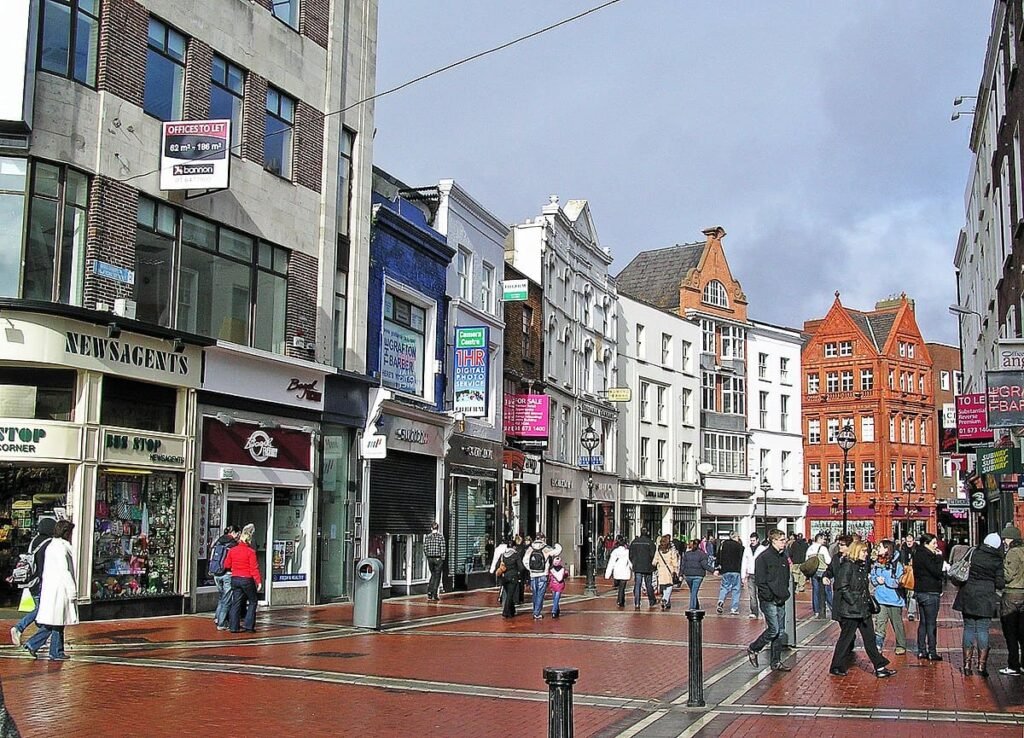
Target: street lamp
(765, 489)
(846, 439)
(590, 440)
(908, 487)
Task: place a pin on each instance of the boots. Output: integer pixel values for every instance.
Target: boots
(968, 661)
(983, 662)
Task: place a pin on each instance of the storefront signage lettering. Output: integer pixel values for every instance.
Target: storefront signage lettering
(970, 418)
(471, 371)
(1005, 399)
(477, 452)
(562, 483)
(656, 494)
(305, 390)
(260, 447)
(20, 440)
(109, 349)
(411, 435)
(246, 444)
(526, 416)
(997, 460)
(142, 444)
(289, 577)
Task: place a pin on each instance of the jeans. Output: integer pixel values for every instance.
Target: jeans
(539, 587)
(775, 623)
(929, 611)
(694, 584)
(641, 580)
(220, 615)
(53, 633)
(844, 646)
(555, 599)
(30, 617)
(730, 583)
(620, 592)
(752, 591)
(890, 614)
(1011, 617)
(821, 595)
(976, 632)
(242, 588)
(434, 563)
(911, 604)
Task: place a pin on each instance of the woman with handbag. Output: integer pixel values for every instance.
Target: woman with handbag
(885, 575)
(620, 569)
(978, 602)
(667, 561)
(695, 565)
(928, 566)
(854, 608)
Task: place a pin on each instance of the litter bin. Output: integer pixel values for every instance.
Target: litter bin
(367, 594)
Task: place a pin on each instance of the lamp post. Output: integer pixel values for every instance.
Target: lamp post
(908, 487)
(590, 440)
(846, 439)
(765, 489)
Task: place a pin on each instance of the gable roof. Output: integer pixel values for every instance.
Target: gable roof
(655, 276)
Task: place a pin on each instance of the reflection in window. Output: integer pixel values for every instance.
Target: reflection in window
(345, 179)
(38, 394)
(271, 293)
(13, 174)
(154, 257)
(227, 86)
(130, 404)
(277, 141)
(55, 243)
(404, 344)
(165, 72)
(69, 35)
(287, 11)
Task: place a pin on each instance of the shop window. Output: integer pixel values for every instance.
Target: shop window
(135, 535)
(280, 128)
(165, 72)
(289, 543)
(69, 39)
(403, 353)
(227, 93)
(215, 288)
(38, 394)
(130, 404)
(55, 241)
(474, 523)
(154, 258)
(210, 527)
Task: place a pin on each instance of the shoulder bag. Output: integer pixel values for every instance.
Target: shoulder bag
(907, 578)
(676, 581)
(961, 570)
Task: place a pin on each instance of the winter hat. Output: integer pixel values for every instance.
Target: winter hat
(993, 540)
(1011, 531)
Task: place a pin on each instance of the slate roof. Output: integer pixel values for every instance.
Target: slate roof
(874, 325)
(655, 276)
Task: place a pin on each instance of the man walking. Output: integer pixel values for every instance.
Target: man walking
(221, 576)
(730, 562)
(797, 556)
(641, 556)
(821, 594)
(771, 576)
(434, 549)
(537, 560)
(907, 551)
(750, 554)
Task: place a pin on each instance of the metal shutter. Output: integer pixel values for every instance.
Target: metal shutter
(403, 495)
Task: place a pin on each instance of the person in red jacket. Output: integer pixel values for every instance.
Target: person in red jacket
(246, 580)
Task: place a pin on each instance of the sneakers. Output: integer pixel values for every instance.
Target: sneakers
(28, 652)
(1010, 672)
(781, 667)
(734, 612)
(62, 657)
(884, 673)
(222, 627)
(911, 617)
(720, 608)
(15, 636)
(752, 657)
(538, 617)
(900, 651)
(752, 616)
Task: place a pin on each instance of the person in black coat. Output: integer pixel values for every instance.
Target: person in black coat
(771, 575)
(928, 568)
(852, 605)
(978, 602)
(515, 572)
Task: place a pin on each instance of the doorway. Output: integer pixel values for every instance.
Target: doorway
(254, 508)
(335, 544)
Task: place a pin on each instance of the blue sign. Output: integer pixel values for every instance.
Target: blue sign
(589, 461)
(118, 274)
(470, 371)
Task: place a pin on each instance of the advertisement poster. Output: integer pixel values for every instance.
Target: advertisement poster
(526, 416)
(401, 363)
(971, 424)
(195, 155)
(1005, 399)
(470, 371)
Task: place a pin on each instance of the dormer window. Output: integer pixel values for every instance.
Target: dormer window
(714, 294)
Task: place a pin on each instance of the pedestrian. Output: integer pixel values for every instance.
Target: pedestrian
(37, 550)
(907, 550)
(521, 544)
(730, 562)
(537, 560)
(246, 581)
(434, 549)
(696, 564)
(771, 577)
(58, 595)
(666, 561)
(510, 573)
(556, 583)
(821, 594)
(885, 575)
(619, 569)
(976, 600)
(641, 556)
(1011, 607)
(750, 553)
(928, 568)
(709, 544)
(853, 610)
(222, 576)
(797, 556)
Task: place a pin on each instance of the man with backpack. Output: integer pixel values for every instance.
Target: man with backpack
(537, 560)
(221, 576)
(29, 574)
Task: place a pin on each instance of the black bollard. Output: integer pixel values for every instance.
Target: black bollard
(560, 680)
(695, 695)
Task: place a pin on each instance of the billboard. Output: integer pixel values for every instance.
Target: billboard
(1005, 399)
(470, 371)
(195, 155)
(526, 416)
(971, 424)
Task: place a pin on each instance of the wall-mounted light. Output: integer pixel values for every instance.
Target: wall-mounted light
(113, 330)
(269, 424)
(178, 346)
(225, 419)
(227, 473)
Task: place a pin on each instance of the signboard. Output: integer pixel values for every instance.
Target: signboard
(147, 449)
(514, 290)
(526, 416)
(21, 438)
(590, 461)
(402, 356)
(997, 461)
(949, 415)
(294, 383)
(247, 444)
(1005, 399)
(195, 155)
(471, 371)
(971, 424)
(1010, 353)
(373, 446)
(618, 394)
(116, 273)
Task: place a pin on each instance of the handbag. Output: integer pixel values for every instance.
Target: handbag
(961, 570)
(907, 578)
(874, 606)
(810, 566)
(676, 581)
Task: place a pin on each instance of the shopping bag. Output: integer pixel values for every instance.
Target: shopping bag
(27, 603)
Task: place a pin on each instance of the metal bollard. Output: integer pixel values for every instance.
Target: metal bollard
(695, 694)
(791, 614)
(560, 680)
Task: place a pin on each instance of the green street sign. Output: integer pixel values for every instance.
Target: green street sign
(470, 338)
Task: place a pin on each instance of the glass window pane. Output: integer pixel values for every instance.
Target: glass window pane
(266, 255)
(166, 220)
(41, 394)
(277, 147)
(12, 217)
(236, 79)
(271, 292)
(176, 45)
(287, 109)
(46, 180)
(213, 296)
(40, 247)
(76, 189)
(56, 37)
(272, 100)
(219, 71)
(235, 244)
(157, 31)
(87, 31)
(153, 260)
(340, 316)
(72, 255)
(90, 6)
(198, 232)
(147, 213)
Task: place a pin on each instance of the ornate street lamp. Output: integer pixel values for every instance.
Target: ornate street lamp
(908, 486)
(590, 440)
(765, 489)
(846, 439)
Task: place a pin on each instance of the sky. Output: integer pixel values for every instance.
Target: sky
(816, 132)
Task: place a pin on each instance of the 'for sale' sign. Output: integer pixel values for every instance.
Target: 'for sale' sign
(195, 155)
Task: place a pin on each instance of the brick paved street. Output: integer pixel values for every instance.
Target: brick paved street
(457, 668)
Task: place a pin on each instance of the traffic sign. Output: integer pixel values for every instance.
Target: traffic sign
(588, 461)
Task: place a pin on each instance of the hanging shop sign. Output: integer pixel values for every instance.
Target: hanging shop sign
(194, 155)
(1010, 353)
(1005, 399)
(513, 290)
(121, 446)
(971, 424)
(35, 440)
(998, 460)
(470, 371)
(526, 416)
(246, 444)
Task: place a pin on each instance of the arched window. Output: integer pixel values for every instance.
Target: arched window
(714, 294)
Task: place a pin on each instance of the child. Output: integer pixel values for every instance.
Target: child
(556, 583)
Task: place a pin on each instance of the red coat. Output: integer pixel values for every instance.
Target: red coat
(241, 560)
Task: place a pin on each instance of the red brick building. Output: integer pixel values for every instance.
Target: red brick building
(872, 371)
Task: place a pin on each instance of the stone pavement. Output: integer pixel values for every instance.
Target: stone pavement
(456, 668)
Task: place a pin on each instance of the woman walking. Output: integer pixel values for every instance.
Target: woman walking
(510, 573)
(852, 603)
(246, 581)
(58, 596)
(619, 568)
(667, 561)
(1011, 608)
(693, 568)
(977, 601)
(885, 575)
(928, 565)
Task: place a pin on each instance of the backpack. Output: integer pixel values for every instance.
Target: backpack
(508, 569)
(217, 555)
(537, 560)
(26, 573)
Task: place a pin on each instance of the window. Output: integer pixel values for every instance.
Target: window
(686, 407)
(707, 392)
(585, 299)
(69, 37)
(814, 477)
(762, 407)
(947, 467)
(662, 445)
(155, 240)
(784, 413)
(13, 178)
(734, 395)
(868, 475)
(666, 350)
(910, 351)
(830, 350)
(924, 476)
(762, 366)
(227, 91)
(662, 408)
(271, 296)
(846, 381)
(403, 345)
(846, 348)
(867, 428)
(833, 477)
(54, 251)
(685, 460)
(645, 401)
(867, 379)
(911, 431)
(903, 349)
(813, 431)
(920, 383)
(340, 313)
(851, 476)
(645, 452)
(165, 72)
(832, 381)
(732, 342)
(903, 381)
(784, 370)
(726, 453)
(944, 381)
(958, 381)
(127, 403)
(563, 434)
(707, 336)
(715, 294)
(287, 11)
(892, 475)
(924, 426)
(832, 429)
(487, 287)
(892, 379)
(892, 429)
(37, 394)
(685, 351)
(784, 464)
(903, 430)
(348, 142)
(641, 337)
(812, 384)
(527, 330)
(280, 130)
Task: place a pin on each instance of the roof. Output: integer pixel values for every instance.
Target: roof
(655, 276)
(876, 325)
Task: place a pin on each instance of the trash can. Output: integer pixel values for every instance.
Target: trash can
(367, 594)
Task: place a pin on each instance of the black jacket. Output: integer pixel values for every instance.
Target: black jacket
(977, 597)
(515, 570)
(851, 597)
(907, 553)
(641, 553)
(771, 575)
(798, 551)
(730, 556)
(927, 571)
(694, 564)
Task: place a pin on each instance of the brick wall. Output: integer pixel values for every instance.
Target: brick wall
(110, 238)
(315, 21)
(121, 66)
(300, 313)
(254, 110)
(518, 364)
(309, 146)
(197, 80)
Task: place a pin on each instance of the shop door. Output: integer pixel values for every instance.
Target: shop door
(253, 509)
(334, 534)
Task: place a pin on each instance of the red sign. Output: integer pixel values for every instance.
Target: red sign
(526, 416)
(971, 420)
(244, 444)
